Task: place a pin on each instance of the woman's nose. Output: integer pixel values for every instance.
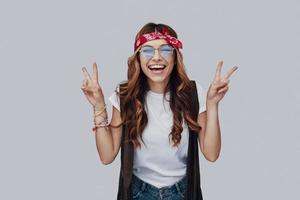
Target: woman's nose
(156, 55)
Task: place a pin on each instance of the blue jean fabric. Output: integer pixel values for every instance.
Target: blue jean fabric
(144, 191)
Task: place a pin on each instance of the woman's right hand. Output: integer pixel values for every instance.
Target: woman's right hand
(91, 88)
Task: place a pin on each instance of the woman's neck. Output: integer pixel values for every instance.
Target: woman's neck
(157, 87)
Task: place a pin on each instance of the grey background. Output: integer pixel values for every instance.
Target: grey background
(47, 148)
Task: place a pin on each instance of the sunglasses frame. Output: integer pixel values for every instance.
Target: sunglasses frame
(158, 49)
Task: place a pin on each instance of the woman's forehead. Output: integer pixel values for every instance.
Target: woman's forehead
(156, 43)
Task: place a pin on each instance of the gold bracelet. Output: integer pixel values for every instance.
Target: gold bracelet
(103, 119)
(97, 110)
(100, 112)
(95, 115)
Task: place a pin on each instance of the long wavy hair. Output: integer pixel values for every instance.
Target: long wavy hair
(133, 94)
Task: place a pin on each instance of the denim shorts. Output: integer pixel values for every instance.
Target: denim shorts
(144, 191)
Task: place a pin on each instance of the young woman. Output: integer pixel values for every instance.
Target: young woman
(153, 111)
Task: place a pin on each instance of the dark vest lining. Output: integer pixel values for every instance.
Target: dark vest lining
(193, 191)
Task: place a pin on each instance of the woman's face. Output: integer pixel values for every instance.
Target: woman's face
(162, 60)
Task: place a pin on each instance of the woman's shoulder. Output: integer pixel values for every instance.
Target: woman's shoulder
(198, 84)
(114, 97)
(121, 85)
(201, 92)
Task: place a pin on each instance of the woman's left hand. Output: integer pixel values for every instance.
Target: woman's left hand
(219, 87)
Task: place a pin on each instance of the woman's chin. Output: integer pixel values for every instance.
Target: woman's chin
(158, 79)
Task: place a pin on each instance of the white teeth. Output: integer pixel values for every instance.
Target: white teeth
(156, 66)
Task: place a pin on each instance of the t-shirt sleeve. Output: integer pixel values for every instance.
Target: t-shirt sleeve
(201, 97)
(115, 100)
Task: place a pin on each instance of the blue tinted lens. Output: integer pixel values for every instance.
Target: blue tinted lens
(147, 51)
(166, 51)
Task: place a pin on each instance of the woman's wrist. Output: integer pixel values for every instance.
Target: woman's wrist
(99, 106)
(99, 118)
(100, 111)
(211, 104)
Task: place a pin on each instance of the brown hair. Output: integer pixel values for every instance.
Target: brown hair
(133, 95)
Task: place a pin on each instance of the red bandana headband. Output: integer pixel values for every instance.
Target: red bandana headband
(158, 35)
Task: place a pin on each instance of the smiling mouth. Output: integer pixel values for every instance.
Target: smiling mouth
(156, 67)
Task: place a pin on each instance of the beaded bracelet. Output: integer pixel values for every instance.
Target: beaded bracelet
(103, 123)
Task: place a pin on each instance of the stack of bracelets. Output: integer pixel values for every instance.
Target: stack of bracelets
(103, 122)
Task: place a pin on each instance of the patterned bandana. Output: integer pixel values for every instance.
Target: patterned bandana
(158, 35)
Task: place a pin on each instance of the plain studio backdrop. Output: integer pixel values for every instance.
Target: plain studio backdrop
(47, 148)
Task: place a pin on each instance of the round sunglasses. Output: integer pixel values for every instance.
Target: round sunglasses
(164, 50)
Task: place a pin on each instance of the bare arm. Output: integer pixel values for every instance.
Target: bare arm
(210, 135)
(108, 139)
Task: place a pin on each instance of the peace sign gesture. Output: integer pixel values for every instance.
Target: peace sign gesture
(91, 87)
(219, 87)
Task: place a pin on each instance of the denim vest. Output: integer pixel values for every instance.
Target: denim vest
(193, 191)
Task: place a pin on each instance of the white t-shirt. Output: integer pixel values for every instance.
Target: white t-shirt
(158, 163)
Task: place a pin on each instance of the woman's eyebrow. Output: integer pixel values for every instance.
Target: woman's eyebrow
(153, 46)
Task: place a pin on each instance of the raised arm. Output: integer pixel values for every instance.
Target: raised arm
(108, 139)
(210, 135)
